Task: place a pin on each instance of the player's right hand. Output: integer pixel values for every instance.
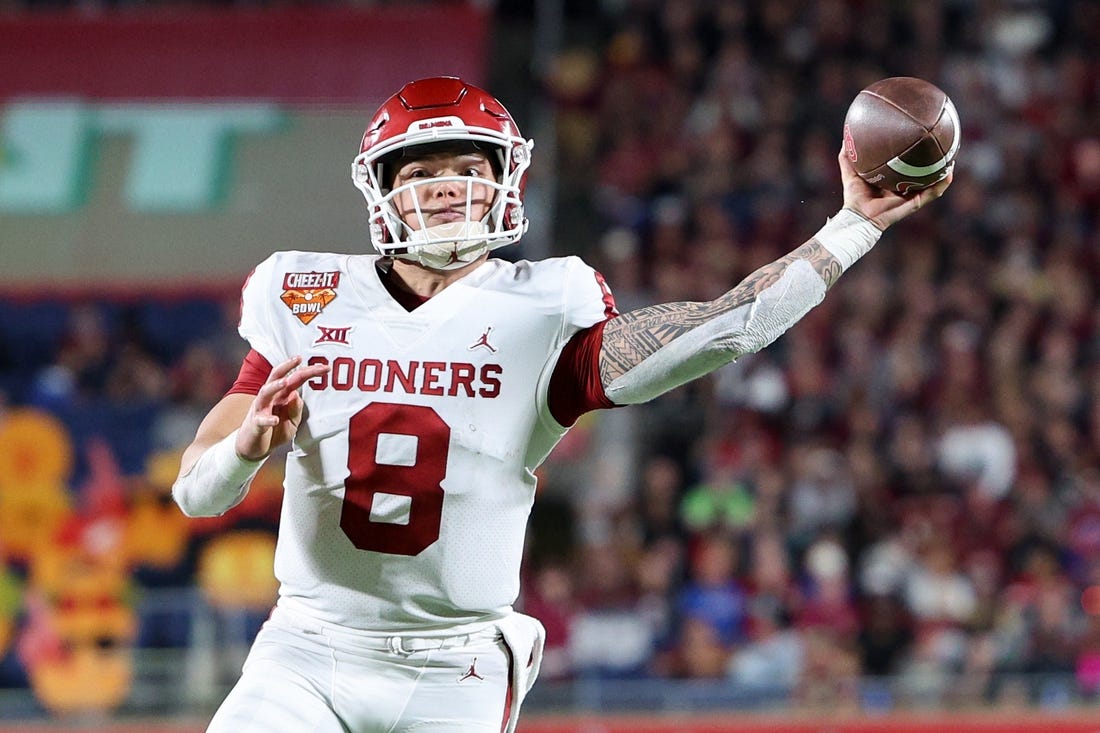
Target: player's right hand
(884, 208)
(276, 411)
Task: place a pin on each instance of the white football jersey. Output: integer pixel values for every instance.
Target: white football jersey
(410, 482)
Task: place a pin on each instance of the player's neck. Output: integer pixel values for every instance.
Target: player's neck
(425, 282)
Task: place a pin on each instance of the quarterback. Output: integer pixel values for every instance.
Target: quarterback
(419, 388)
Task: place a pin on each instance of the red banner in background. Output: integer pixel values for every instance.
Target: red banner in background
(303, 55)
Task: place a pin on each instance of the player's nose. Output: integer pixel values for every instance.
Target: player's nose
(446, 188)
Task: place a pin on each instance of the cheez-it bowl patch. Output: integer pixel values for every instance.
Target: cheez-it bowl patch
(307, 293)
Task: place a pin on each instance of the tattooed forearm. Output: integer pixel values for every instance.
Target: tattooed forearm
(633, 336)
(826, 264)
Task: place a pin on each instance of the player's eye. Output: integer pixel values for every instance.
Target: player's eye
(473, 171)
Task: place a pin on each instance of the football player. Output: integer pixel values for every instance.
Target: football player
(420, 388)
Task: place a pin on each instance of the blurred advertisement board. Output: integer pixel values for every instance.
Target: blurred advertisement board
(164, 149)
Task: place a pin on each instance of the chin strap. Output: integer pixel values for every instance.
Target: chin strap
(468, 244)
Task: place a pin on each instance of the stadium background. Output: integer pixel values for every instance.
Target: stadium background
(889, 520)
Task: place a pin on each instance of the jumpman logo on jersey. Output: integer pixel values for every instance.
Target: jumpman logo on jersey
(483, 341)
(471, 673)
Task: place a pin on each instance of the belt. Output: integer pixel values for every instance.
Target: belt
(412, 644)
(395, 643)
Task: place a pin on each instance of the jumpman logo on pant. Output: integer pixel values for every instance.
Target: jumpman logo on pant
(471, 672)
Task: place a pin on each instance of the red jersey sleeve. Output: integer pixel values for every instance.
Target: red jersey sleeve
(575, 386)
(253, 375)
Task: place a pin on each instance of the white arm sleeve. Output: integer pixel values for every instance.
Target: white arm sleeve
(748, 328)
(217, 482)
(848, 236)
(743, 330)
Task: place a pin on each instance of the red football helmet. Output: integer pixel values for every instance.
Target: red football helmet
(449, 112)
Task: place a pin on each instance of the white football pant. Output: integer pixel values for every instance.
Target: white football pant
(302, 676)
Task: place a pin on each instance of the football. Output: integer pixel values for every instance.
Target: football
(902, 134)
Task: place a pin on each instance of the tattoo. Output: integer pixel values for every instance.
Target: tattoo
(633, 336)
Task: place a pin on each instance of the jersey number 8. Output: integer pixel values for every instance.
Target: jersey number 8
(421, 481)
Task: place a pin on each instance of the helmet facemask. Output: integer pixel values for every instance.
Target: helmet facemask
(454, 244)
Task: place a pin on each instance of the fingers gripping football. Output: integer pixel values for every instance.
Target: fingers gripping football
(881, 207)
(276, 411)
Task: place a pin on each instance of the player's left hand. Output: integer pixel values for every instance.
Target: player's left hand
(884, 208)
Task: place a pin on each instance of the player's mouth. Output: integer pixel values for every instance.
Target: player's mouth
(449, 214)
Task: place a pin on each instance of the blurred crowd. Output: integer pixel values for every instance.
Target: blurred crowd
(907, 484)
(898, 501)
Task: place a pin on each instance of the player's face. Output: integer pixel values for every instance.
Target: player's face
(444, 201)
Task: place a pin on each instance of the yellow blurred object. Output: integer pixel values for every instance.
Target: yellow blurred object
(7, 634)
(235, 570)
(156, 534)
(30, 515)
(11, 602)
(35, 450)
(59, 571)
(162, 467)
(87, 594)
(36, 457)
(89, 623)
(87, 680)
(87, 626)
